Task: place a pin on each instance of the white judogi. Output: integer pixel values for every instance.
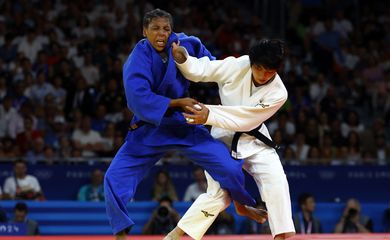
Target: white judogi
(244, 108)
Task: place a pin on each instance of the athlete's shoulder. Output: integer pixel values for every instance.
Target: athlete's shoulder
(238, 62)
(141, 47)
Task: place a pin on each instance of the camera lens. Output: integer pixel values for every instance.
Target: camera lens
(163, 211)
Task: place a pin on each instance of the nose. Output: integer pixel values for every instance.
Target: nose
(162, 32)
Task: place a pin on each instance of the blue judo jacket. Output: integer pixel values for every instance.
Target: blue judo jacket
(150, 84)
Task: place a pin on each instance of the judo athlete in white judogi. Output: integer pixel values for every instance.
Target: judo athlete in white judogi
(251, 92)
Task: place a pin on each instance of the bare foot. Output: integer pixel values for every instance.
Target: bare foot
(121, 236)
(175, 234)
(284, 236)
(257, 214)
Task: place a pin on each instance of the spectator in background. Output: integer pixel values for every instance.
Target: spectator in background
(59, 93)
(353, 145)
(9, 149)
(93, 191)
(89, 71)
(112, 95)
(382, 152)
(99, 123)
(37, 153)
(352, 124)
(300, 148)
(29, 136)
(289, 157)
(40, 89)
(20, 216)
(342, 25)
(7, 113)
(108, 140)
(198, 187)
(280, 141)
(22, 185)
(352, 220)
(282, 122)
(8, 51)
(163, 219)
(163, 186)
(30, 45)
(82, 97)
(314, 156)
(304, 221)
(86, 139)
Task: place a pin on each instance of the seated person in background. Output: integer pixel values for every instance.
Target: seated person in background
(20, 212)
(304, 221)
(223, 224)
(22, 185)
(163, 186)
(164, 218)
(352, 221)
(94, 191)
(198, 187)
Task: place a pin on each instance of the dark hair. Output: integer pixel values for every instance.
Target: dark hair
(268, 53)
(21, 206)
(22, 161)
(303, 198)
(156, 13)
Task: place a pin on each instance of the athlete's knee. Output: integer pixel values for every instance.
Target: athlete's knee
(219, 200)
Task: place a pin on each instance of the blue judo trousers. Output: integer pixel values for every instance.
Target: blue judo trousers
(149, 85)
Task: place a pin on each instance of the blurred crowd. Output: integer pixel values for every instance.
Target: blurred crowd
(61, 94)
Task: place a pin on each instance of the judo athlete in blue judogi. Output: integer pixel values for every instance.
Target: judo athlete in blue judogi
(155, 92)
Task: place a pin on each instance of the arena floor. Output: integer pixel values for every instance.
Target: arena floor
(226, 237)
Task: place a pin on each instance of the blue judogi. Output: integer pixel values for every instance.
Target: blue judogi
(150, 84)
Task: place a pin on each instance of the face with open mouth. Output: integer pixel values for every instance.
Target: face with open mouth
(157, 33)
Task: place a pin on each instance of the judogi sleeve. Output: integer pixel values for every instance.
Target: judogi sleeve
(245, 118)
(205, 70)
(141, 100)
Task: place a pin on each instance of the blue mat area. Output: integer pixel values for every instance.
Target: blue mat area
(89, 218)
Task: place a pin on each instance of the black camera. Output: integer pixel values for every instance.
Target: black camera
(162, 213)
(352, 213)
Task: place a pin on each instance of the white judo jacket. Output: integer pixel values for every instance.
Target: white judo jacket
(257, 104)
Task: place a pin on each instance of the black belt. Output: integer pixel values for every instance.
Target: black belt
(255, 133)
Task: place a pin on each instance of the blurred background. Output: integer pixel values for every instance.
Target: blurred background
(63, 113)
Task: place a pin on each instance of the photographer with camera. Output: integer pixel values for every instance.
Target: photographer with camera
(22, 186)
(164, 218)
(352, 221)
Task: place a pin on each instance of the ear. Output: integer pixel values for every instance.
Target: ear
(144, 32)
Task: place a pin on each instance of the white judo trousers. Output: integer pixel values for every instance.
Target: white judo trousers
(271, 181)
